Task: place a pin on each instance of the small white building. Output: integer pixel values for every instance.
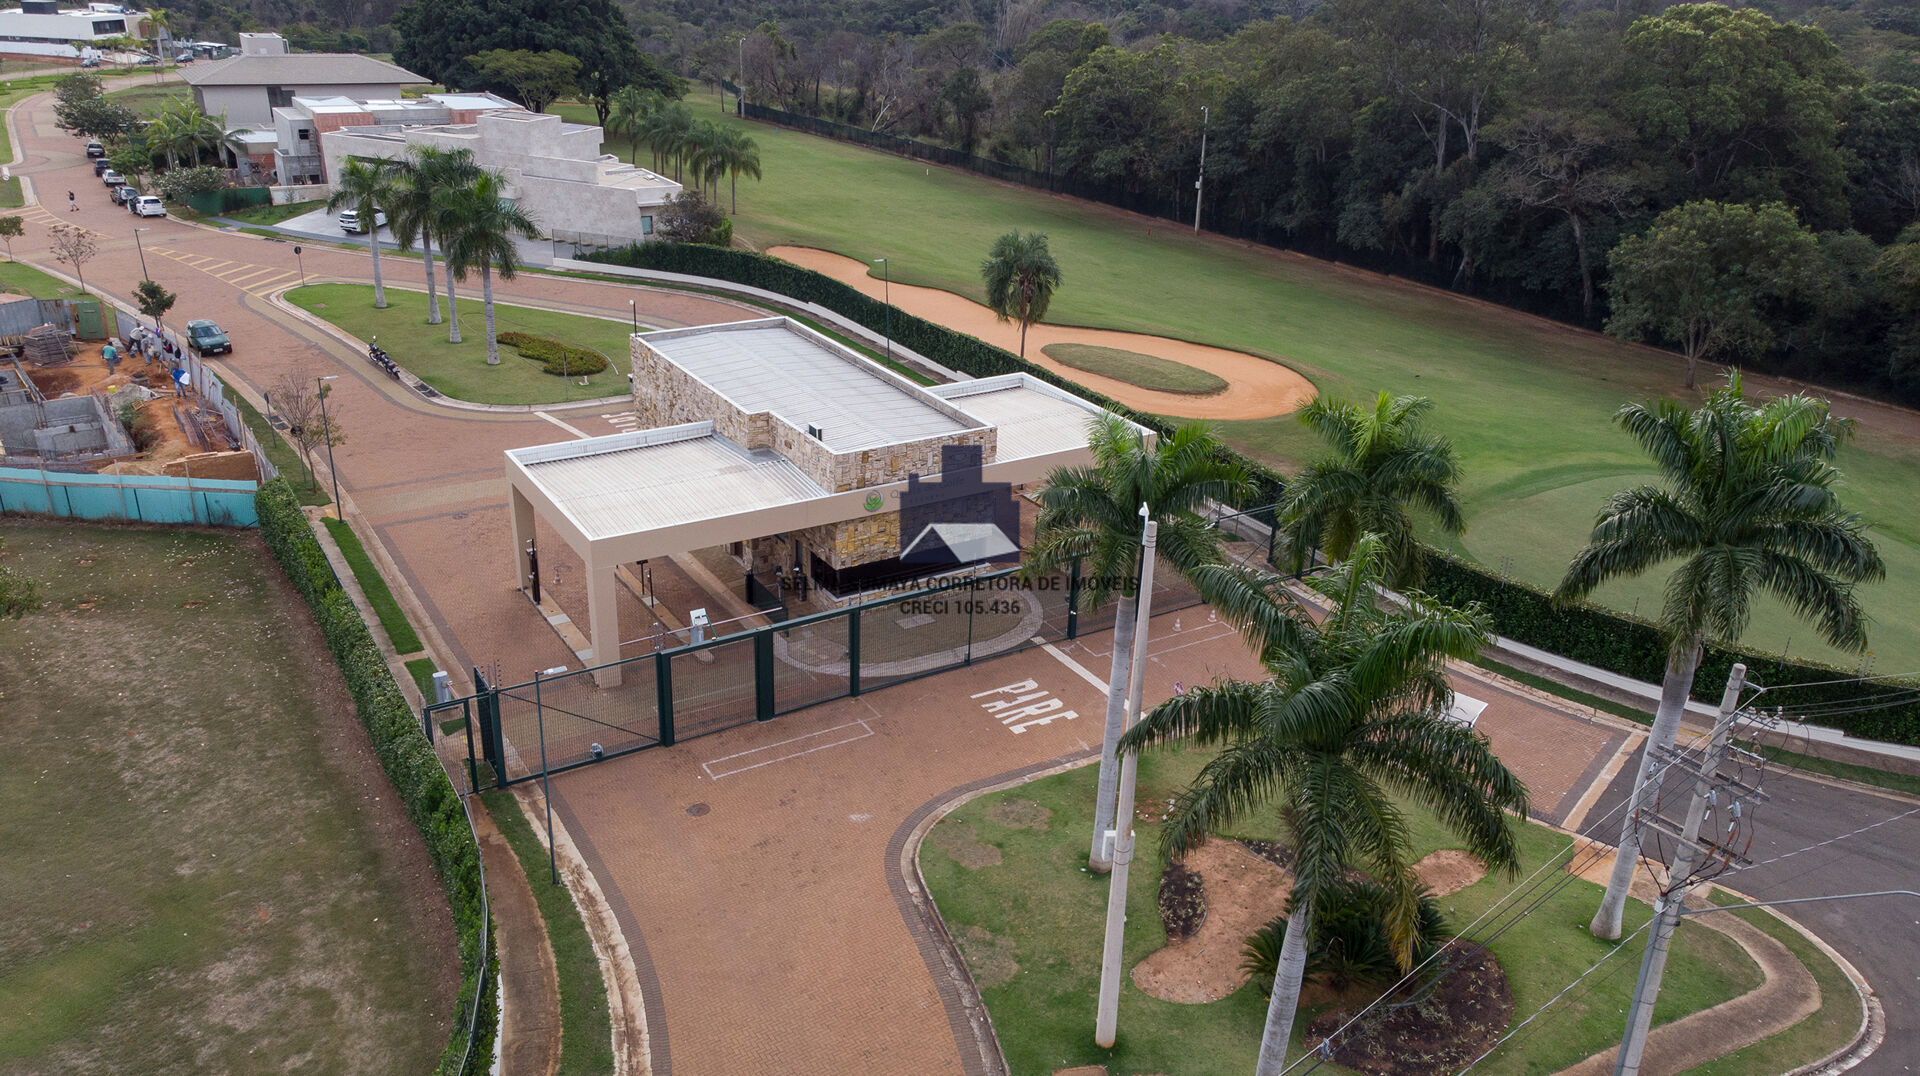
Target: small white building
(41, 28)
(554, 169)
(265, 76)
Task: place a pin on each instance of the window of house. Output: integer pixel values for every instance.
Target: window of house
(305, 134)
(646, 225)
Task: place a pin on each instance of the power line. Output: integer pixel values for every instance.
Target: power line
(1577, 980)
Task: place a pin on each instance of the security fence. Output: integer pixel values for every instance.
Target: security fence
(557, 722)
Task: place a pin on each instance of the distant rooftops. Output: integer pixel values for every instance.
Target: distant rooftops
(293, 69)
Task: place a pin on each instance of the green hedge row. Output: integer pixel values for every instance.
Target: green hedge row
(556, 358)
(1587, 634)
(1633, 647)
(404, 753)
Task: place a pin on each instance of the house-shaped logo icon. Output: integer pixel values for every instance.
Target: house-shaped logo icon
(958, 519)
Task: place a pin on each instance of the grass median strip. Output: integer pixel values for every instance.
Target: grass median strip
(1146, 371)
(586, 1031)
(385, 606)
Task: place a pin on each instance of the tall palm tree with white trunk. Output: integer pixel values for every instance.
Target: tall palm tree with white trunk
(1092, 514)
(478, 226)
(366, 186)
(425, 172)
(1347, 727)
(1746, 504)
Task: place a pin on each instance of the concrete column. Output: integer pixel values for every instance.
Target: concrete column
(520, 510)
(603, 622)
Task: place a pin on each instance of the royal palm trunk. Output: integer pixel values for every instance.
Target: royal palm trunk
(1682, 662)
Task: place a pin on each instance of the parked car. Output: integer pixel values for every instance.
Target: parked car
(90, 61)
(206, 338)
(147, 60)
(112, 178)
(123, 195)
(184, 58)
(100, 166)
(148, 205)
(350, 221)
(96, 150)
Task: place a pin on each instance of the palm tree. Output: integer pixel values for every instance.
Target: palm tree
(1347, 726)
(666, 131)
(1092, 514)
(698, 147)
(426, 171)
(629, 112)
(161, 20)
(1382, 462)
(1747, 504)
(739, 154)
(366, 185)
(1021, 276)
(477, 227)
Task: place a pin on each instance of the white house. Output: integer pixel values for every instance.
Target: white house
(554, 169)
(41, 28)
(265, 76)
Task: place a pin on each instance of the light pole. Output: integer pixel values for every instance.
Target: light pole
(886, 290)
(137, 245)
(635, 311)
(1202, 177)
(326, 430)
(1107, 1018)
(302, 265)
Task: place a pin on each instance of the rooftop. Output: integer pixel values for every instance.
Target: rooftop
(642, 481)
(775, 365)
(1033, 417)
(293, 69)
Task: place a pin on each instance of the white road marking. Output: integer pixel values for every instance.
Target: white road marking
(727, 771)
(562, 425)
(1077, 668)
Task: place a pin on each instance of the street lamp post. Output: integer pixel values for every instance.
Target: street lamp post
(301, 265)
(137, 245)
(635, 311)
(326, 430)
(886, 290)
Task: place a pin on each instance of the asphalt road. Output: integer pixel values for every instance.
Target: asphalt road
(1881, 935)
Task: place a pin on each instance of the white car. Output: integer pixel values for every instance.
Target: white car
(148, 205)
(350, 221)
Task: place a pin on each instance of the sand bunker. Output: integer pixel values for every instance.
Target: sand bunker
(1256, 388)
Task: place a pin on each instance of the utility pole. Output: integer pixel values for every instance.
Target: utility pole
(1709, 788)
(1202, 178)
(1107, 1019)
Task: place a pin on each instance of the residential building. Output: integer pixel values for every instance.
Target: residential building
(42, 28)
(265, 76)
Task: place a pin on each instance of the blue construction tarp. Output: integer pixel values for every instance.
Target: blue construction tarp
(143, 498)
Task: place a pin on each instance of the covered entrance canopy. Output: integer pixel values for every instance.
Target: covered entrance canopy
(630, 497)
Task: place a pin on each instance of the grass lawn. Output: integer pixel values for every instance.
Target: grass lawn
(461, 370)
(1527, 402)
(203, 867)
(401, 633)
(1030, 928)
(586, 1031)
(149, 98)
(1146, 371)
(271, 214)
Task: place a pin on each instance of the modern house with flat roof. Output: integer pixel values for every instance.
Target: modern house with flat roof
(43, 28)
(554, 169)
(773, 440)
(293, 146)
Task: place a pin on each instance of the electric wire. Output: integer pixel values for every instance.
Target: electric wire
(1577, 980)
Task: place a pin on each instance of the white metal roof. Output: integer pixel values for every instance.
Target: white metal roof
(770, 366)
(300, 68)
(1033, 417)
(633, 482)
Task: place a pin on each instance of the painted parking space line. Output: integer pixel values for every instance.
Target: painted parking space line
(1075, 667)
(562, 425)
(239, 278)
(807, 744)
(270, 283)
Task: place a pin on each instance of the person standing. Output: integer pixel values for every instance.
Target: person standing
(73, 204)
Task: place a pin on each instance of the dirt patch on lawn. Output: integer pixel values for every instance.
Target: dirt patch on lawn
(1446, 1029)
(989, 956)
(961, 843)
(1257, 387)
(1243, 892)
(1019, 814)
(1450, 870)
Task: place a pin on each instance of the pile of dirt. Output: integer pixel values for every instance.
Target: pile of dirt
(1449, 1026)
(1242, 891)
(1183, 901)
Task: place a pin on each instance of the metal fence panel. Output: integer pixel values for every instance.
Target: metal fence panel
(713, 688)
(146, 498)
(580, 716)
(810, 663)
(914, 636)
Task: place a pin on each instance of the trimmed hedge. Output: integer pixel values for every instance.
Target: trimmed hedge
(1587, 634)
(404, 754)
(556, 358)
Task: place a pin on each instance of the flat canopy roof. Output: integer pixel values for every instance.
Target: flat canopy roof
(768, 366)
(1033, 417)
(631, 482)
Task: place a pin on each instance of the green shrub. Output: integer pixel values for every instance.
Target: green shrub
(406, 756)
(1349, 943)
(1595, 636)
(556, 358)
